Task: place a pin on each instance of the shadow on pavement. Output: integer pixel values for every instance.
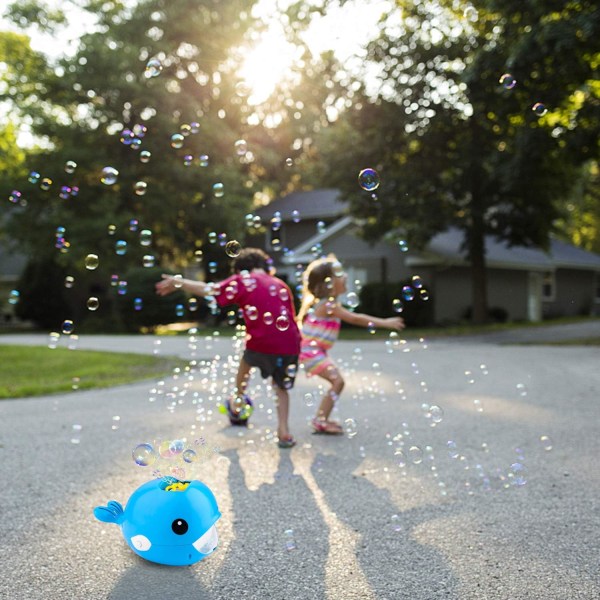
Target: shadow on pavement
(394, 564)
(149, 581)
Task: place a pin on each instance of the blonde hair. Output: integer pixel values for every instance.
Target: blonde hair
(317, 282)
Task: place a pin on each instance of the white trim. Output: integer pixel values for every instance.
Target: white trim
(302, 254)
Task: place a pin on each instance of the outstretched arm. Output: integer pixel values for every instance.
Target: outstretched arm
(362, 320)
(170, 283)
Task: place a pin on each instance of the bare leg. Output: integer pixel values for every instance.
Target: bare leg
(283, 412)
(242, 377)
(332, 375)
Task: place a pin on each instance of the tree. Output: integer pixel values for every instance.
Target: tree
(452, 145)
(102, 107)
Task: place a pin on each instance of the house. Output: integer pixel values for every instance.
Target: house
(523, 283)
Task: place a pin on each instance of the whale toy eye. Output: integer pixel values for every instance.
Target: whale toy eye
(179, 526)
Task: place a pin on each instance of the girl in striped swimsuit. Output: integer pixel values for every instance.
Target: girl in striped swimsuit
(319, 319)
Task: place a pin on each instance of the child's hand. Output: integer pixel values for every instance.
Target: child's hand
(395, 323)
(166, 286)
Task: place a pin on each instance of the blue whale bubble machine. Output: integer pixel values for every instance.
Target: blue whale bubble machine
(167, 521)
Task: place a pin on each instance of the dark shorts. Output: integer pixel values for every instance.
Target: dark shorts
(281, 367)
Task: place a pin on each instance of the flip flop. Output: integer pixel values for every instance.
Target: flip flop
(326, 427)
(288, 442)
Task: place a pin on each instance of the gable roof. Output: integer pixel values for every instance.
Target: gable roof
(316, 204)
(447, 247)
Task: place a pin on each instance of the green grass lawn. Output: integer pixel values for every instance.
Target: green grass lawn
(35, 370)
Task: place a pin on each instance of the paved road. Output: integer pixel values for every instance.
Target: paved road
(384, 512)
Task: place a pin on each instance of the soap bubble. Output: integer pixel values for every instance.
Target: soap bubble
(415, 454)
(67, 326)
(296, 216)
(518, 474)
(203, 160)
(69, 281)
(92, 303)
(289, 162)
(397, 305)
(176, 447)
(34, 177)
(417, 282)
(140, 187)
(242, 89)
(15, 196)
(507, 81)
(396, 523)
(233, 248)
(180, 310)
(148, 260)
(437, 414)
(177, 140)
(91, 262)
(138, 304)
(14, 296)
(185, 129)
(452, 449)
(539, 109)
(408, 293)
(140, 130)
(145, 237)
(164, 449)
(218, 190)
(241, 147)
(368, 179)
(546, 443)
(352, 300)
(189, 455)
(198, 254)
(309, 399)
(145, 156)
(268, 318)
(282, 322)
(144, 455)
(424, 294)
(109, 176)
(350, 427)
(403, 245)
(153, 68)
(121, 247)
(70, 166)
(194, 127)
(46, 183)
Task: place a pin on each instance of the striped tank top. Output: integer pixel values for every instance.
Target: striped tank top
(321, 332)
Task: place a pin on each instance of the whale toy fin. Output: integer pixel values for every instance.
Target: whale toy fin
(111, 513)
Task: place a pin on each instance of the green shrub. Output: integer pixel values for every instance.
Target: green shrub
(42, 294)
(155, 310)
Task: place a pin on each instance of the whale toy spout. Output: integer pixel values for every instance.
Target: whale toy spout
(167, 521)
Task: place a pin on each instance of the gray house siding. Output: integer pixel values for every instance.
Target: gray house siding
(451, 292)
(574, 293)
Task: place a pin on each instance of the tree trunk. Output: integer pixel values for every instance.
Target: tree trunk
(478, 277)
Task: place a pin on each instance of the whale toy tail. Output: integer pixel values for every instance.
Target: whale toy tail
(111, 513)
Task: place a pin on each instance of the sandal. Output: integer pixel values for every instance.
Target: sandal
(288, 442)
(326, 427)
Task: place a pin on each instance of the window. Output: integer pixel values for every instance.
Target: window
(549, 287)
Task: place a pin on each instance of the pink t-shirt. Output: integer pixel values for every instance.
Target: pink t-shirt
(268, 310)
